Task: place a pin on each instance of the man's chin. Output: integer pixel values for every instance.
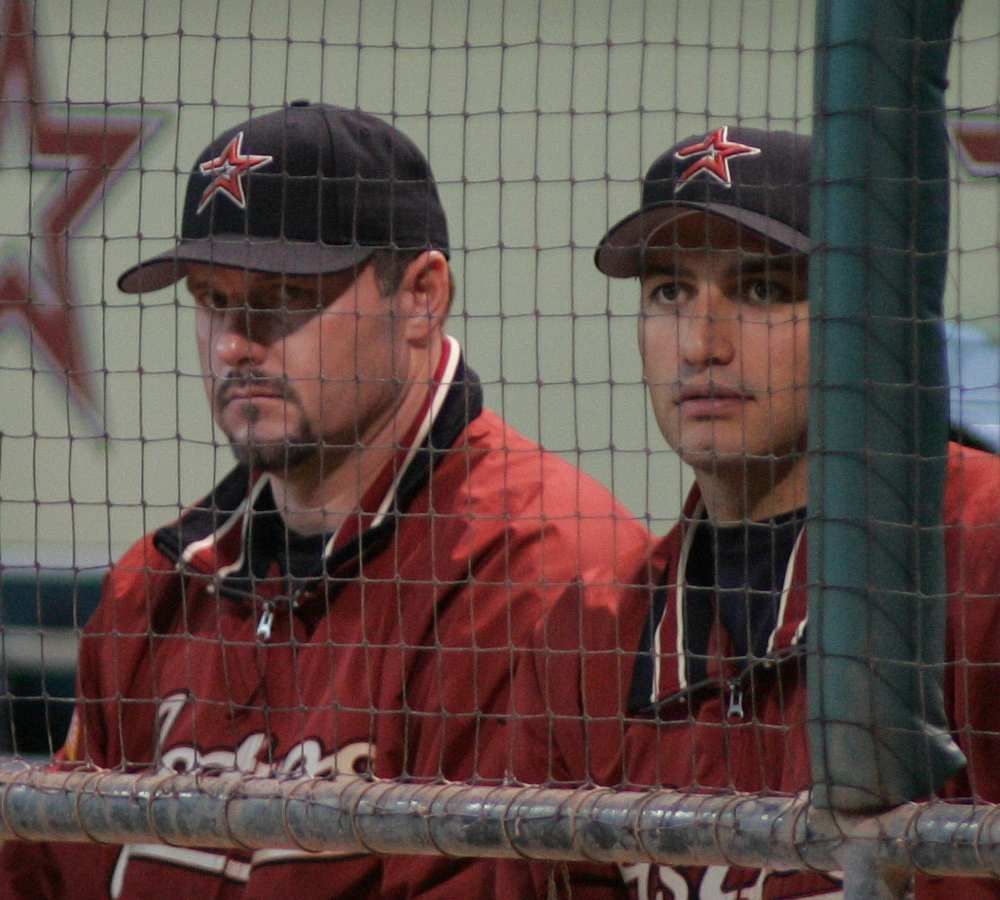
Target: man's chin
(277, 456)
(709, 457)
(718, 458)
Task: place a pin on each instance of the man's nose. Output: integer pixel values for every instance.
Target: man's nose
(708, 321)
(235, 342)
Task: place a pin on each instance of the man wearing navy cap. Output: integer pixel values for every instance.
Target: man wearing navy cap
(697, 681)
(345, 603)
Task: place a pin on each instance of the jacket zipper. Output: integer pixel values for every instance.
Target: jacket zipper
(735, 710)
(266, 622)
(265, 625)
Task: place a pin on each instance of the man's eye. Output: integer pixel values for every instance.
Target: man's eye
(764, 291)
(297, 299)
(666, 292)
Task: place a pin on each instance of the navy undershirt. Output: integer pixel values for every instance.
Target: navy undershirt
(301, 555)
(740, 570)
(735, 573)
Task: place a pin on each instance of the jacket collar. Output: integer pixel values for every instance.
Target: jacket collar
(229, 534)
(670, 658)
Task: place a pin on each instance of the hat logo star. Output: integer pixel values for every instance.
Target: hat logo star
(713, 155)
(229, 167)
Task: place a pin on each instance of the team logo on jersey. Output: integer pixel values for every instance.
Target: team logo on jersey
(712, 156)
(229, 167)
(250, 756)
(651, 882)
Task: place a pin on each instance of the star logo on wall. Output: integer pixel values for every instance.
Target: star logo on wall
(976, 139)
(74, 158)
(229, 167)
(714, 153)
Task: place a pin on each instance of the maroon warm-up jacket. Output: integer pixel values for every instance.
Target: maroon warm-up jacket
(576, 720)
(393, 661)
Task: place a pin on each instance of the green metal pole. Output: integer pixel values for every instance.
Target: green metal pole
(879, 406)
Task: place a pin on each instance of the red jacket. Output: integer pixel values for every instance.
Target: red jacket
(746, 734)
(395, 662)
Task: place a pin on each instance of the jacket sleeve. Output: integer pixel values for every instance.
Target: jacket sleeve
(502, 601)
(103, 658)
(549, 744)
(972, 541)
(32, 870)
(510, 592)
(38, 870)
(29, 872)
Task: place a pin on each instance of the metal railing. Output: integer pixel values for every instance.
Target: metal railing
(350, 814)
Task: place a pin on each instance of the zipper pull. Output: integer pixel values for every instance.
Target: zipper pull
(266, 622)
(735, 701)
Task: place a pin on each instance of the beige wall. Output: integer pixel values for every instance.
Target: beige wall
(533, 313)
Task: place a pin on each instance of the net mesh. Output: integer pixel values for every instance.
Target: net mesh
(539, 118)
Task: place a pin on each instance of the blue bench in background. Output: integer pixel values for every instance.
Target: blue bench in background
(42, 611)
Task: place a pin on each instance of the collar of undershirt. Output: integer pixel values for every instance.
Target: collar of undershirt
(745, 540)
(734, 583)
(661, 672)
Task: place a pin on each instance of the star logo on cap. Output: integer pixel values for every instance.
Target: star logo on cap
(229, 167)
(714, 153)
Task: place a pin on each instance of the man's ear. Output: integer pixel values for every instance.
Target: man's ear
(424, 296)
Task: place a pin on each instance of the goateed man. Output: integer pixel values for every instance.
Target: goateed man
(698, 680)
(346, 600)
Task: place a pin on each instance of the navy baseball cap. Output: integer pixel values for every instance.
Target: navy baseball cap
(758, 179)
(308, 189)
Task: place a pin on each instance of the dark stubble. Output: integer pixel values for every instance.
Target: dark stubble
(268, 456)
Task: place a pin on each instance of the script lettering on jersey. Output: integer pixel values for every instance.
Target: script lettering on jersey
(651, 882)
(306, 758)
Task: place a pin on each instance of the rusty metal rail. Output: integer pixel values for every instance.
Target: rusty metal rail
(351, 814)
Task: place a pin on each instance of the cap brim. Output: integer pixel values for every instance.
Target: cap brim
(252, 254)
(620, 253)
